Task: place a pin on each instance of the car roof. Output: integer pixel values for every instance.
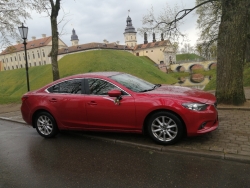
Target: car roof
(103, 74)
(84, 75)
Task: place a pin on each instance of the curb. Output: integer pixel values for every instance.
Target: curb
(164, 149)
(12, 120)
(233, 108)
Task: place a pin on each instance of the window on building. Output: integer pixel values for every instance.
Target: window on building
(151, 50)
(17, 66)
(21, 66)
(3, 60)
(43, 54)
(19, 57)
(44, 62)
(38, 55)
(30, 64)
(4, 68)
(39, 62)
(7, 60)
(33, 55)
(10, 59)
(8, 68)
(146, 51)
(13, 67)
(34, 63)
(15, 58)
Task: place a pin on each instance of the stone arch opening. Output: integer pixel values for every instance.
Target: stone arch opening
(180, 69)
(196, 67)
(212, 66)
(197, 78)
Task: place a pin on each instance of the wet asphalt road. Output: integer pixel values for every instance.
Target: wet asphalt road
(28, 160)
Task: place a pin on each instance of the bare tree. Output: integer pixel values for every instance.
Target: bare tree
(12, 14)
(52, 8)
(154, 24)
(232, 40)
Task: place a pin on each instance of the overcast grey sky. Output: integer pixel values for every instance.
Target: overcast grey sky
(96, 20)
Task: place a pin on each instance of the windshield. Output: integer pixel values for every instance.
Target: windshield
(133, 83)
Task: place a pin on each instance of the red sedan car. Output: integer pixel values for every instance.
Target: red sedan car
(119, 102)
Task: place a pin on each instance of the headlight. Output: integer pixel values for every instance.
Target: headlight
(195, 106)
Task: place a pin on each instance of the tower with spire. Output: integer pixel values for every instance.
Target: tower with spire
(74, 38)
(130, 33)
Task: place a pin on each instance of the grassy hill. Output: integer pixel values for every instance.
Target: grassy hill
(188, 57)
(13, 83)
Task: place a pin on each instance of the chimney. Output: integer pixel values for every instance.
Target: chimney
(145, 38)
(154, 37)
(43, 35)
(162, 39)
(33, 38)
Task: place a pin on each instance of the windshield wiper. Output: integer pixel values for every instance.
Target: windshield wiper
(157, 85)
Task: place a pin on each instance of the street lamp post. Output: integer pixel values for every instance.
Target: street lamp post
(24, 33)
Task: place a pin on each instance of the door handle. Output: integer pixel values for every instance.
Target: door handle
(53, 100)
(92, 103)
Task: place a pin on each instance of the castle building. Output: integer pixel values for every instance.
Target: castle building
(161, 52)
(130, 34)
(74, 38)
(38, 50)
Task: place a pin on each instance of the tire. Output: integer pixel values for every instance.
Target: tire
(46, 125)
(165, 128)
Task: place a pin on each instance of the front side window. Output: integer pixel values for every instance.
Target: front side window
(133, 83)
(100, 87)
(69, 86)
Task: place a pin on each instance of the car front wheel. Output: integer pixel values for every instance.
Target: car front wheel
(46, 125)
(165, 128)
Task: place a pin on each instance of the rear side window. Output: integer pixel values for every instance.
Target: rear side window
(69, 86)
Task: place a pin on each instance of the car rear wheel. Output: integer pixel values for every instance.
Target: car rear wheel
(165, 128)
(46, 125)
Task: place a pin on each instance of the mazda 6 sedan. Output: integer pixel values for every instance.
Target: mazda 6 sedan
(120, 102)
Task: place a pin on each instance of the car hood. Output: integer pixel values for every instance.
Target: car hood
(184, 93)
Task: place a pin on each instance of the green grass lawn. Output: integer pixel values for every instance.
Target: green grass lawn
(188, 57)
(13, 83)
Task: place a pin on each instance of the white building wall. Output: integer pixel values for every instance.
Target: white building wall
(36, 57)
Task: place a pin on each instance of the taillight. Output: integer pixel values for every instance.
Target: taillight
(24, 98)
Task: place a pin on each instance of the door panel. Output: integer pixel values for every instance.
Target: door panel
(70, 110)
(68, 102)
(103, 113)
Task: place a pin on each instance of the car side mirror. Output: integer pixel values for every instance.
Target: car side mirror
(115, 93)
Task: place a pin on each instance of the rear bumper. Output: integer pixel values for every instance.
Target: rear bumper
(26, 114)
